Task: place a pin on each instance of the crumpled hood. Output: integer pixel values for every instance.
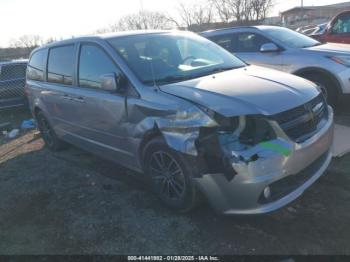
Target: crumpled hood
(246, 91)
(331, 48)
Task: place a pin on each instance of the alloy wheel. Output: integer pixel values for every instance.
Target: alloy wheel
(167, 175)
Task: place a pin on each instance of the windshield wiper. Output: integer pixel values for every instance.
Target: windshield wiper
(221, 69)
(168, 79)
(179, 78)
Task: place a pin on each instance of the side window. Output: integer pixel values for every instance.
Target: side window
(93, 63)
(36, 66)
(342, 25)
(224, 41)
(249, 42)
(61, 65)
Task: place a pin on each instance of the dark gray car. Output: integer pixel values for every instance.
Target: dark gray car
(12, 80)
(184, 111)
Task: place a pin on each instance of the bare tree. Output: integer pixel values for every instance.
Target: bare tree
(142, 20)
(223, 9)
(27, 41)
(242, 10)
(197, 13)
(260, 9)
(229, 10)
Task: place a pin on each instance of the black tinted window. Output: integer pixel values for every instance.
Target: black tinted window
(94, 63)
(37, 65)
(61, 65)
(342, 25)
(224, 41)
(249, 42)
(13, 72)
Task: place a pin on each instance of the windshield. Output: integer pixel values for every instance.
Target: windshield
(291, 38)
(173, 57)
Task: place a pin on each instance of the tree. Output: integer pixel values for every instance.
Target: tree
(260, 9)
(242, 11)
(223, 9)
(193, 14)
(142, 20)
(27, 41)
(197, 13)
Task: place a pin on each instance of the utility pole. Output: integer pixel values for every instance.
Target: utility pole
(141, 4)
(301, 10)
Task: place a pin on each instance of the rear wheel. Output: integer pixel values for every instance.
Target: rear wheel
(49, 136)
(327, 86)
(170, 175)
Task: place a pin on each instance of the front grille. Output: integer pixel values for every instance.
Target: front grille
(290, 183)
(302, 122)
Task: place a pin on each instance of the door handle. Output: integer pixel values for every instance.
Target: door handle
(75, 99)
(78, 99)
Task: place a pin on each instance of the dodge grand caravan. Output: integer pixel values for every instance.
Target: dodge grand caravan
(192, 117)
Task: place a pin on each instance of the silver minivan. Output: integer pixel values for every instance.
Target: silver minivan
(192, 117)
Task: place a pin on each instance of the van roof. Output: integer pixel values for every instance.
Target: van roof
(107, 36)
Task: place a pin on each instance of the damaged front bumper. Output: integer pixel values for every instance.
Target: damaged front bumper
(274, 179)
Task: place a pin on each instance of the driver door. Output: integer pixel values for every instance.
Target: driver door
(247, 46)
(99, 114)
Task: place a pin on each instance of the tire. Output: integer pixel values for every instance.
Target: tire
(49, 136)
(170, 175)
(328, 87)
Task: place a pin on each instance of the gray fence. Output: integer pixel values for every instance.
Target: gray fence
(12, 98)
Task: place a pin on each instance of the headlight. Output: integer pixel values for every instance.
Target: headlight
(193, 116)
(343, 60)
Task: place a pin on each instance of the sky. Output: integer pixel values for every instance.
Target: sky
(66, 18)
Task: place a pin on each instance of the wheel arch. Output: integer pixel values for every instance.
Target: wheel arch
(147, 137)
(312, 70)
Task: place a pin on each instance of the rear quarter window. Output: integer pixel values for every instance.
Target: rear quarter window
(36, 66)
(61, 65)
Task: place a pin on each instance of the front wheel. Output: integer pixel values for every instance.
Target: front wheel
(170, 175)
(327, 87)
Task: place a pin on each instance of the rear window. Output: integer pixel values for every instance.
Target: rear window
(61, 65)
(13, 72)
(36, 66)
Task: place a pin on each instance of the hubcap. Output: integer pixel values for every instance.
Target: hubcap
(167, 175)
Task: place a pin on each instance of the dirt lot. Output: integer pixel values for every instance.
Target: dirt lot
(74, 203)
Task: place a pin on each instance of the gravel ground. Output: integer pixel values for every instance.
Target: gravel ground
(71, 202)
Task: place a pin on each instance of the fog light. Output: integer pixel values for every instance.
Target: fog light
(267, 192)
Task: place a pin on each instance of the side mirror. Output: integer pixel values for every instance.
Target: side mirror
(111, 82)
(269, 47)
